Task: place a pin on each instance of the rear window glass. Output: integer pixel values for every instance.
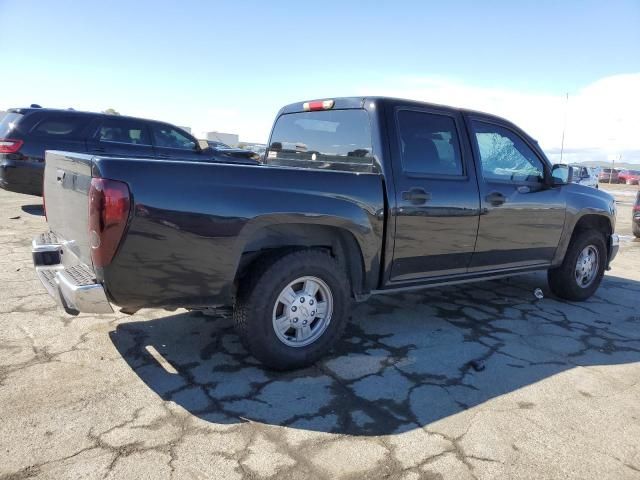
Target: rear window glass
(123, 131)
(332, 140)
(8, 122)
(429, 143)
(62, 126)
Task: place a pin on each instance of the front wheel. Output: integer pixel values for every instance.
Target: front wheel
(582, 270)
(292, 309)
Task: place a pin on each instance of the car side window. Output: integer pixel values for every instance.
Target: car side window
(60, 126)
(505, 156)
(169, 137)
(429, 143)
(123, 131)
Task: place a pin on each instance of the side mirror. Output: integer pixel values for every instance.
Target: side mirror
(203, 145)
(561, 175)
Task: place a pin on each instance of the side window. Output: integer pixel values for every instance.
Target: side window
(60, 126)
(505, 156)
(123, 131)
(169, 137)
(429, 143)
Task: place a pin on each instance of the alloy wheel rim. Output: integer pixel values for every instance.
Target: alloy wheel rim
(302, 311)
(587, 266)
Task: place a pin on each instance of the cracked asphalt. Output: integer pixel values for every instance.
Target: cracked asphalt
(476, 381)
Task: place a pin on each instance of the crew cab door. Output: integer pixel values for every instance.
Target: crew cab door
(436, 201)
(521, 218)
(120, 137)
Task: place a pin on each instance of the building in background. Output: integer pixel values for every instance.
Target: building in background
(230, 139)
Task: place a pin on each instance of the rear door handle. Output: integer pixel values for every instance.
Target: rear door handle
(417, 196)
(496, 198)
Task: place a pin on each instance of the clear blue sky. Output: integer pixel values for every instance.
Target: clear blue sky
(178, 58)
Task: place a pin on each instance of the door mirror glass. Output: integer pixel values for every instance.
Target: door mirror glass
(561, 174)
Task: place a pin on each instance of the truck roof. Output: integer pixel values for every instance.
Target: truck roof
(342, 103)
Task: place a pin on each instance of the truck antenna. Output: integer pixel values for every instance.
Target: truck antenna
(564, 126)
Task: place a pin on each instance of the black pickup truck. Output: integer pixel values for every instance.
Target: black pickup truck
(357, 196)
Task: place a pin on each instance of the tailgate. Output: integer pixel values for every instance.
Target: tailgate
(67, 179)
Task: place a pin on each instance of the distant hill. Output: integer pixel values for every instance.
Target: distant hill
(617, 166)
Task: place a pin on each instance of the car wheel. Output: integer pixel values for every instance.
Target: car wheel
(292, 309)
(582, 270)
(636, 230)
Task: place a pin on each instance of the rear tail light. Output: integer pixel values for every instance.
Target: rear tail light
(109, 204)
(318, 105)
(10, 146)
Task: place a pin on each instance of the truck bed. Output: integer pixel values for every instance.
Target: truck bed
(191, 224)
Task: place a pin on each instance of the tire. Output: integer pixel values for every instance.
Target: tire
(563, 280)
(636, 230)
(258, 304)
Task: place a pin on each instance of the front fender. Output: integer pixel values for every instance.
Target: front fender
(585, 206)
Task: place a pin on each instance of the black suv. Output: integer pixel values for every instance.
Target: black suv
(25, 134)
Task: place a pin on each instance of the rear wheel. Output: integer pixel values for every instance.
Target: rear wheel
(582, 270)
(292, 309)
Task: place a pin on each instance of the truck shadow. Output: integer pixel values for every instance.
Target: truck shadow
(405, 361)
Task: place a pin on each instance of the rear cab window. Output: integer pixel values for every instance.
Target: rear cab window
(329, 139)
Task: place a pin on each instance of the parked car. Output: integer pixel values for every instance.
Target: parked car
(630, 177)
(608, 175)
(388, 195)
(25, 134)
(223, 153)
(583, 175)
(214, 144)
(636, 216)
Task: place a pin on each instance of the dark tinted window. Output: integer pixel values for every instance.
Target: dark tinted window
(332, 139)
(123, 131)
(505, 156)
(61, 126)
(8, 122)
(169, 137)
(429, 143)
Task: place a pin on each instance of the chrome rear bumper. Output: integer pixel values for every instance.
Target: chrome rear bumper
(71, 283)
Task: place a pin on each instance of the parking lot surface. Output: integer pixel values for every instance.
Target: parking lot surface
(475, 381)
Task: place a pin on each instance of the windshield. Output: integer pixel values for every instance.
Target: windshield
(8, 123)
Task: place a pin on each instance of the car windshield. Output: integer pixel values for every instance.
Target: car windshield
(8, 123)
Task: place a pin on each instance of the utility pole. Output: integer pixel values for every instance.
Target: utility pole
(613, 163)
(564, 125)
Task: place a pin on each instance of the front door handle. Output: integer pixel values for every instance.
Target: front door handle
(496, 198)
(417, 196)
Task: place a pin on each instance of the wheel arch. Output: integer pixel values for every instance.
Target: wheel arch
(588, 221)
(277, 240)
